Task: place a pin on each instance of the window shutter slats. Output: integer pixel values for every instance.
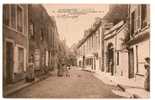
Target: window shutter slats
(139, 18)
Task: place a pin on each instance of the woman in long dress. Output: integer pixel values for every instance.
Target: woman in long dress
(147, 74)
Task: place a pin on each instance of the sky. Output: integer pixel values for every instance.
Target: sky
(73, 19)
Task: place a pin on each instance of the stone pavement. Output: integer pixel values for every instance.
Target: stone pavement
(133, 88)
(80, 84)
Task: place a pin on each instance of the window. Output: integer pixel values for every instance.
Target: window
(99, 39)
(6, 14)
(136, 21)
(143, 15)
(19, 19)
(20, 59)
(137, 59)
(87, 61)
(139, 17)
(42, 36)
(96, 40)
(132, 23)
(92, 41)
(84, 48)
(13, 16)
(87, 46)
(32, 29)
(117, 58)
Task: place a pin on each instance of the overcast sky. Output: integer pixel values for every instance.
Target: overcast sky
(72, 20)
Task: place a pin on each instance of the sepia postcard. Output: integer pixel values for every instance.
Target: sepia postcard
(76, 51)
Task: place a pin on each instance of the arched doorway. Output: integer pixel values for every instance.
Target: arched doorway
(110, 58)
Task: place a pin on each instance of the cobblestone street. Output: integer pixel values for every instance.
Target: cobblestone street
(80, 84)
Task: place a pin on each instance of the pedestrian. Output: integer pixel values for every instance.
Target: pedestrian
(30, 70)
(147, 74)
(66, 69)
(69, 66)
(60, 68)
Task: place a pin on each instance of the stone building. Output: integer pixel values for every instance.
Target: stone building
(43, 38)
(89, 48)
(15, 42)
(115, 52)
(139, 42)
(126, 44)
(93, 42)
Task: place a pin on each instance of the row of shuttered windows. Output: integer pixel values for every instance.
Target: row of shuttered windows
(139, 18)
(14, 16)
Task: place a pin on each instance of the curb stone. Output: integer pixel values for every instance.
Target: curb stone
(122, 88)
(88, 71)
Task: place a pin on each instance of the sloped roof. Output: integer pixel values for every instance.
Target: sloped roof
(117, 12)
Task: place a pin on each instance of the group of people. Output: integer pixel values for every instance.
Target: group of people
(66, 70)
(63, 70)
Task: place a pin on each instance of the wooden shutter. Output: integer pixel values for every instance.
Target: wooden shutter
(139, 18)
(136, 20)
(148, 14)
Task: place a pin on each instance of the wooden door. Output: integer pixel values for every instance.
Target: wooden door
(9, 62)
(131, 63)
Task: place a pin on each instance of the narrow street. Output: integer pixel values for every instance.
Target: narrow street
(108, 45)
(80, 84)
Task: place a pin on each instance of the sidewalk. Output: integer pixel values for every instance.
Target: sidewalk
(130, 86)
(12, 88)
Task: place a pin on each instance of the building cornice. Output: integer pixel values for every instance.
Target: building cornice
(109, 33)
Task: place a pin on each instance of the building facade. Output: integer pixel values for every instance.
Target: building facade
(43, 39)
(115, 52)
(89, 48)
(123, 47)
(139, 43)
(15, 42)
(96, 50)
